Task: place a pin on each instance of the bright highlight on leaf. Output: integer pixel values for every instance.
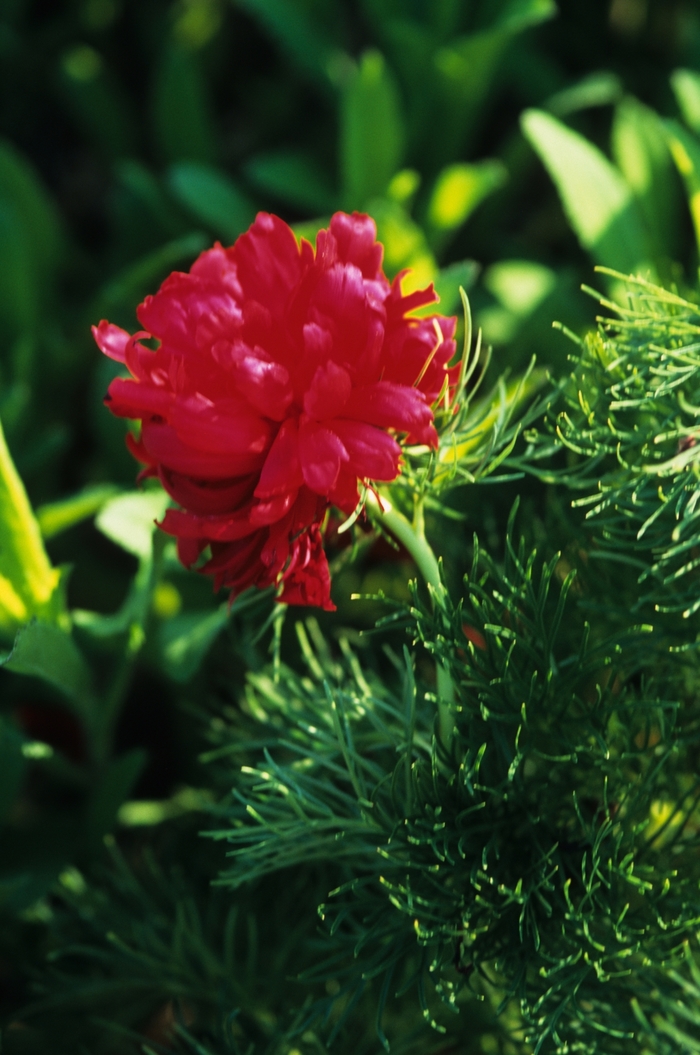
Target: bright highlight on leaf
(29, 586)
(597, 200)
(459, 189)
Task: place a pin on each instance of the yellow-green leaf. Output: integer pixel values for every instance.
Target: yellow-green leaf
(28, 583)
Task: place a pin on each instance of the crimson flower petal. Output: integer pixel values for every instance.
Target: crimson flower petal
(321, 453)
(277, 383)
(111, 339)
(328, 393)
(282, 469)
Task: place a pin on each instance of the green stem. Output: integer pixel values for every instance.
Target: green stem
(412, 536)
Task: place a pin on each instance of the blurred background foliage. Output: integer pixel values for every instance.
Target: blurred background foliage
(504, 145)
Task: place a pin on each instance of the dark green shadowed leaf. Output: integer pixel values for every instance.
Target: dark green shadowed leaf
(43, 651)
(598, 202)
(182, 118)
(137, 280)
(186, 639)
(212, 198)
(372, 131)
(30, 244)
(293, 178)
(12, 766)
(463, 73)
(95, 100)
(114, 788)
(297, 35)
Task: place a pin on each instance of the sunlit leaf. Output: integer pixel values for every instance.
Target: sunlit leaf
(405, 245)
(29, 586)
(685, 150)
(686, 87)
(600, 88)
(56, 517)
(598, 202)
(458, 190)
(129, 520)
(641, 151)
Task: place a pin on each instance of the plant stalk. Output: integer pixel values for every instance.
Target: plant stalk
(412, 536)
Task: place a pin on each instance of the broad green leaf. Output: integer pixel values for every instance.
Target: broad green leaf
(186, 639)
(212, 198)
(292, 28)
(685, 150)
(292, 177)
(372, 131)
(56, 517)
(640, 149)
(12, 766)
(148, 191)
(598, 202)
(44, 651)
(20, 186)
(686, 88)
(29, 586)
(458, 190)
(463, 73)
(182, 118)
(30, 242)
(114, 788)
(129, 520)
(600, 88)
(134, 282)
(20, 288)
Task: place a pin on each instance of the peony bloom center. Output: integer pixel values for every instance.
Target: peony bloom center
(284, 378)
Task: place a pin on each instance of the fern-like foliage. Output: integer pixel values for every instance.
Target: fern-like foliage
(631, 426)
(546, 861)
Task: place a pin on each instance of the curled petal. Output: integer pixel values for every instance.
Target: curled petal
(111, 339)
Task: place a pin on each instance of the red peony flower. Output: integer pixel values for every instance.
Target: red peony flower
(282, 379)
